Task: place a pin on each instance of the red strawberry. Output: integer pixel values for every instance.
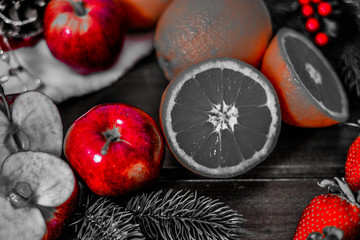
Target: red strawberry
(338, 210)
(352, 166)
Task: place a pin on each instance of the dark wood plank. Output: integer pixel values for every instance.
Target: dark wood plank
(272, 195)
(299, 152)
(271, 207)
(142, 87)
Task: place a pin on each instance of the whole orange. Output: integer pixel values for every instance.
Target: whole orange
(143, 14)
(190, 31)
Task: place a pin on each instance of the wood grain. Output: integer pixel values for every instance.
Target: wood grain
(272, 195)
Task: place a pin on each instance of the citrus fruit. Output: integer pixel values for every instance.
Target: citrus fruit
(220, 117)
(143, 14)
(309, 91)
(190, 31)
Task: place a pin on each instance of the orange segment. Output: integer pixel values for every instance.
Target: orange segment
(220, 117)
(309, 91)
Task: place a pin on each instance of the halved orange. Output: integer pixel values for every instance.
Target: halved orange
(220, 117)
(309, 90)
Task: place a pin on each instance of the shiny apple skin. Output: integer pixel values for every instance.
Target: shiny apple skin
(88, 43)
(130, 163)
(19, 43)
(60, 216)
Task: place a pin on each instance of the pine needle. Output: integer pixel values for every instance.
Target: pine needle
(184, 215)
(170, 216)
(284, 13)
(350, 66)
(104, 220)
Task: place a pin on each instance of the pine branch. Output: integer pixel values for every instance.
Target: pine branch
(184, 216)
(284, 13)
(350, 66)
(104, 220)
(170, 216)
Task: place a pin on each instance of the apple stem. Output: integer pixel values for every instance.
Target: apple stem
(111, 135)
(9, 115)
(17, 139)
(79, 8)
(7, 107)
(105, 148)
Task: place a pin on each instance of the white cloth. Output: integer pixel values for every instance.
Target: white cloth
(60, 82)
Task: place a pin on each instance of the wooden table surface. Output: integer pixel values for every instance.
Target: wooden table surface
(271, 196)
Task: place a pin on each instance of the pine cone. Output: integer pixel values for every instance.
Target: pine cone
(21, 21)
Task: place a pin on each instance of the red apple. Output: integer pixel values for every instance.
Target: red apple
(115, 148)
(87, 35)
(18, 43)
(29, 121)
(38, 195)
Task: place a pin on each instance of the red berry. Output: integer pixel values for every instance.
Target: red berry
(324, 9)
(316, 1)
(321, 39)
(312, 25)
(301, 2)
(307, 10)
(352, 166)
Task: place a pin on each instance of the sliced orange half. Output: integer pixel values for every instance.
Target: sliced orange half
(309, 90)
(220, 117)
